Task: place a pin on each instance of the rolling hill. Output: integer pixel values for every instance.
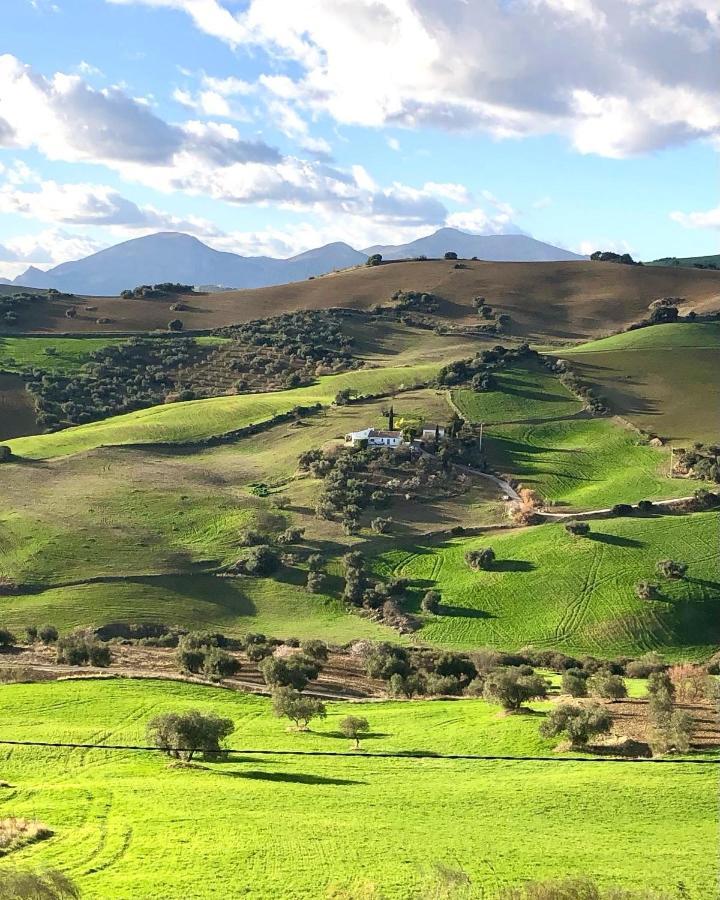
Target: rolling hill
(559, 301)
(712, 260)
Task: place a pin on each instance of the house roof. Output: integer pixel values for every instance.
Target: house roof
(374, 432)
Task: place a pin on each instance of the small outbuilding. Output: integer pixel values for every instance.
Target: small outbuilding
(430, 432)
(374, 437)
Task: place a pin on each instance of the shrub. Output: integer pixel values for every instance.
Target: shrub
(607, 686)
(291, 536)
(669, 568)
(181, 735)
(259, 561)
(219, 664)
(580, 529)
(431, 602)
(315, 582)
(480, 559)
(31, 634)
(374, 259)
(7, 639)
(579, 723)
(644, 666)
(510, 689)
(381, 525)
(574, 683)
(690, 682)
(451, 254)
(646, 590)
(354, 727)
(50, 884)
(258, 651)
(443, 685)
(294, 671)
(290, 703)
(315, 649)
(99, 654)
(406, 685)
(646, 506)
(385, 660)
(622, 509)
(175, 325)
(48, 634)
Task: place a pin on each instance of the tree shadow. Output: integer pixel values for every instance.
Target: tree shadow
(290, 777)
(464, 612)
(614, 539)
(369, 736)
(512, 565)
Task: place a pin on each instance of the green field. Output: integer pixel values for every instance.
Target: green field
(588, 464)
(197, 420)
(549, 589)
(126, 826)
(663, 379)
(523, 393)
(19, 353)
(685, 261)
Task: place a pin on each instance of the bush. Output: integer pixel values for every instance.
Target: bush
(385, 660)
(315, 582)
(31, 634)
(431, 602)
(646, 590)
(256, 652)
(622, 509)
(645, 666)
(219, 664)
(78, 649)
(607, 686)
(290, 703)
(451, 254)
(443, 685)
(181, 735)
(381, 525)
(7, 639)
(580, 529)
(315, 649)
(574, 683)
(175, 325)
(50, 884)
(510, 689)
(374, 259)
(99, 655)
(480, 559)
(579, 723)
(669, 568)
(406, 685)
(48, 634)
(259, 561)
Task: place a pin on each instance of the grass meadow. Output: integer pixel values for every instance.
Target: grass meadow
(126, 825)
(550, 589)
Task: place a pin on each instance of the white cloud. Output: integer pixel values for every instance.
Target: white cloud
(455, 192)
(393, 143)
(634, 76)
(709, 218)
(43, 249)
(585, 248)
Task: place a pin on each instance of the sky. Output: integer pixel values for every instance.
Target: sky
(273, 126)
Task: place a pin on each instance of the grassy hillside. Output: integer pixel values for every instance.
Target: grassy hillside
(127, 826)
(523, 393)
(571, 300)
(663, 379)
(583, 464)
(711, 259)
(197, 420)
(550, 589)
(69, 354)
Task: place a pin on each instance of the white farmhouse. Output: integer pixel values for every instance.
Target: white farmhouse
(375, 438)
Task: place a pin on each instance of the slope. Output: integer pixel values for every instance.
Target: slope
(561, 301)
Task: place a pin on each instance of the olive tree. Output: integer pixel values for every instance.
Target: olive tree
(607, 686)
(354, 727)
(291, 704)
(182, 735)
(579, 723)
(509, 688)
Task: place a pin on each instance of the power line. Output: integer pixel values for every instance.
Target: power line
(408, 755)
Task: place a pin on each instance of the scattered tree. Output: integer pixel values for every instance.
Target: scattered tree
(646, 590)
(289, 703)
(669, 568)
(482, 558)
(607, 686)
(7, 639)
(175, 325)
(354, 727)
(451, 254)
(219, 664)
(579, 723)
(574, 683)
(182, 735)
(511, 690)
(580, 529)
(293, 671)
(374, 259)
(431, 602)
(48, 634)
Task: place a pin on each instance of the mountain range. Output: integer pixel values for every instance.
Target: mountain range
(172, 256)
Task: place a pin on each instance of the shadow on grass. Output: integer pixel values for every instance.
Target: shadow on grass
(290, 777)
(512, 565)
(464, 612)
(614, 539)
(369, 736)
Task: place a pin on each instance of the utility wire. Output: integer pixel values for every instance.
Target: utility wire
(411, 754)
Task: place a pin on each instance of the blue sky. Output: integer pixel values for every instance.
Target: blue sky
(270, 126)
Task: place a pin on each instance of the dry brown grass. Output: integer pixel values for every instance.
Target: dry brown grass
(568, 300)
(16, 833)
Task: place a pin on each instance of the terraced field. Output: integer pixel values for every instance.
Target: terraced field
(524, 393)
(549, 589)
(584, 464)
(663, 379)
(126, 825)
(197, 420)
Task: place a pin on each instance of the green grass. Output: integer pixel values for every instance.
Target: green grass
(685, 261)
(588, 464)
(663, 379)
(18, 353)
(127, 826)
(523, 393)
(550, 589)
(233, 606)
(658, 337)
(197, 420)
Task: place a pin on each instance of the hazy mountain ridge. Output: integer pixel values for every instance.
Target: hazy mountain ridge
(173, 256)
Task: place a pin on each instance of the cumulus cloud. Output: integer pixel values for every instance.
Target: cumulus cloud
(615, 77)
(44, 249)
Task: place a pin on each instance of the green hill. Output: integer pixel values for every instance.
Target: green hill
(663, 378)
(699, 262)
(128, 825)
(549, 589)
